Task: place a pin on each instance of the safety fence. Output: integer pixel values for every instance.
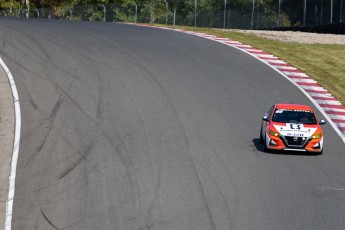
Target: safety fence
(253, 14)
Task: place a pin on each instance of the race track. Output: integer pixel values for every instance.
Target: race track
(127, 127)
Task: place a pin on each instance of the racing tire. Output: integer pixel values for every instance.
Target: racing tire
(262, 141)
(266, 150)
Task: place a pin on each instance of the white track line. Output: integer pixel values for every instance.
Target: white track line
(12, 178)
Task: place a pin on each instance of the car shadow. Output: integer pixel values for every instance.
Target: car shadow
(260, 148)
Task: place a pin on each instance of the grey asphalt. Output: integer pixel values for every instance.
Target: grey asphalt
(125, 127)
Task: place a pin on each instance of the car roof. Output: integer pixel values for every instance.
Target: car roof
(293, 106)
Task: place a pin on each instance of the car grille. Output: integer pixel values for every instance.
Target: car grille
(299, 142)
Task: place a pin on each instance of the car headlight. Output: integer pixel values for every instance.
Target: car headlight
(316, 136)
(272, 133)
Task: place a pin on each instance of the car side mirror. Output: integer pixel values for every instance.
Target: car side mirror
(265, 117)
(322, 122)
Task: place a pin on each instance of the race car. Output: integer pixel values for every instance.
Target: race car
(291, 127)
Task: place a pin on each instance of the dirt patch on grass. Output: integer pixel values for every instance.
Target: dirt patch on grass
(299, 37)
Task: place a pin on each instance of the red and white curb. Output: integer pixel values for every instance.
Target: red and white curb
(328, 105)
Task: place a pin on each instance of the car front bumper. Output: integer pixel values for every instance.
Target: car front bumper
(283, 143)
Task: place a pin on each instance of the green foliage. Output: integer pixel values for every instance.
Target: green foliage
(210, 13)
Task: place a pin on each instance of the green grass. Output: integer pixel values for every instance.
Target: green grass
(323, 63)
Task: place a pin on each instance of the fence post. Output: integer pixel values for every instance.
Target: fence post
(195, 11)
(166, 12)
(25, 13)
(252, 21)
(136, 11)
(331, 11)
(341, 11)
(174, 16)
(38, 13)
(229, 17)
(321, 12)
(28, 8)
(224, 14)
(278, 21)
(104, 12)
(304, 12)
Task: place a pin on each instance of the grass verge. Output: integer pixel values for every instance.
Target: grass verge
(323, 63)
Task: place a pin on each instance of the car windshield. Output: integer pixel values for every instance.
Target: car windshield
(294, 116)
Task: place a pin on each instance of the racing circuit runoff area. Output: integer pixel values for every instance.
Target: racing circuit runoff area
(127, 127)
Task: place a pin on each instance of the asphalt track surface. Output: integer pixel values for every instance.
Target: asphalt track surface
(126, 127)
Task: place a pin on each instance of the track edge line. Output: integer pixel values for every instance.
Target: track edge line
(13, 170)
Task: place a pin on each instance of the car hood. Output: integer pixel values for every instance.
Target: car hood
(292, 129)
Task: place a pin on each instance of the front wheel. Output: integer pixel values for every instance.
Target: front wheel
(266, 150)
(261, 137)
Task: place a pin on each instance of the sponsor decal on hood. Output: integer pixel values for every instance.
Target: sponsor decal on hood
(295, 130)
